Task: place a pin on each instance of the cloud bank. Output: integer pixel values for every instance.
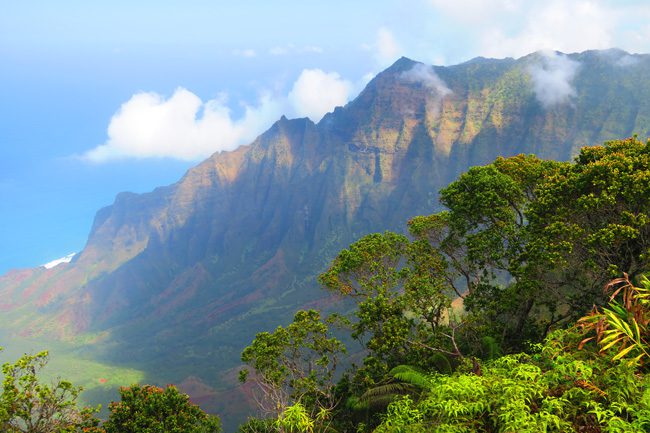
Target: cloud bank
(449, 32)
(184, 127)
(552, 79)
(568, 26)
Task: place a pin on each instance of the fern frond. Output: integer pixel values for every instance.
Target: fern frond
(412, 375)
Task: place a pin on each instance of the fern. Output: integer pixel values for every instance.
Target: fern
(380, 396)
(413, 375)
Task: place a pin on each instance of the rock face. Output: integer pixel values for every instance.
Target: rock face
(177, 281)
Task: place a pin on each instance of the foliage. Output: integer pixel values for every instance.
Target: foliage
(407, 373)
(591, 223)
(526, 244)
(555, 390)
(595, 213)
(295, 364)
(295, 419)
(475, 250)
(402, 302)
(565, 386)
(484, 238)
(257, 425)
(623, 328)
(28, 405)
(150, 409)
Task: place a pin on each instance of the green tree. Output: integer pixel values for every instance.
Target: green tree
(483, 237)
(257, 425)
(28, 405)
(591, 221)
(294, 364)
(402, 303)
(150, 409)
(474, 250)
(526, 243)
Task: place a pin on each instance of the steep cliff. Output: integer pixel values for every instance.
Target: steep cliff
(177, 281)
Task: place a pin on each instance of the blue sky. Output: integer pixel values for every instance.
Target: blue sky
(108, 96)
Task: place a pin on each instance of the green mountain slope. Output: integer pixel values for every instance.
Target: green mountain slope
(177, 281)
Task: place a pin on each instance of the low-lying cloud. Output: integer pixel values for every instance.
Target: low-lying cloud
(552, 79)
(436, 87)
(421, 73)
(184, 127)
(619, 58)
(627, 60)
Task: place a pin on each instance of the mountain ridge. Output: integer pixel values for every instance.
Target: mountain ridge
(183, 276)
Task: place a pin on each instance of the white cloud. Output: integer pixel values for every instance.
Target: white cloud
(248, 52)
(184, 127)
(619, 58)
(627, 60)
(638, 38)
(552, 79)
(514, 28)
(278, 51)
(556, 25)
(437, 89)
(181, 127)
(425, 75)
(316, 93)
(363, 81)
(312, 49)
(474, 11)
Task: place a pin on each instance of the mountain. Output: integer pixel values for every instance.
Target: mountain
(175, 282)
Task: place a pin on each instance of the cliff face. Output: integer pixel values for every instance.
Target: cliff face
(178, 281)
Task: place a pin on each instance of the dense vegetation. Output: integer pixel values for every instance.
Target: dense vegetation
(30, 405)
(235, 246)
(489, 316)
(480, 319)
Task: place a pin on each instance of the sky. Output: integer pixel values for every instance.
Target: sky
(108, 96)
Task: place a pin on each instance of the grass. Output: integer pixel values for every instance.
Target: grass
(100, 381)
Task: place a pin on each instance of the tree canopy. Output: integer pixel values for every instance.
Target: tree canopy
(150, 409)
(30, 405)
